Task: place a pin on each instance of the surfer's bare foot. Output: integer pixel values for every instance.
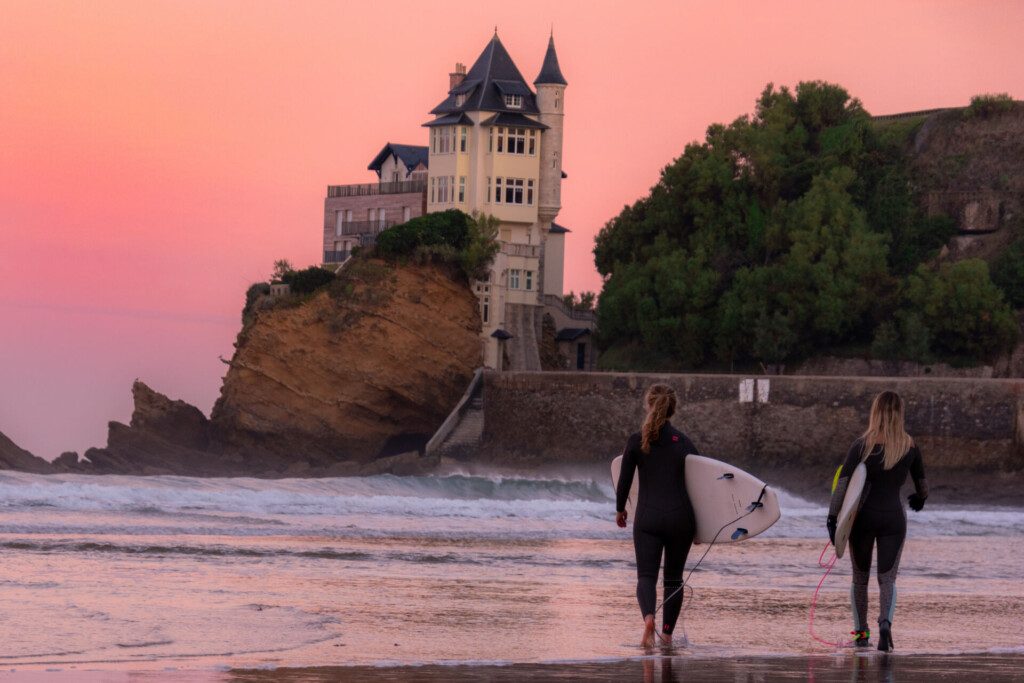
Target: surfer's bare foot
(665, 639)
(647, 640)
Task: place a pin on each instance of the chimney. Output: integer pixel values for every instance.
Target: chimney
(456, 77)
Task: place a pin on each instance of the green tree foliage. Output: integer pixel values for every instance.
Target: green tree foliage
(255, 291)
(963, 310)
(784, 233)
(989, 105)
(1008, 273)
(468, 242)
(282, 268)
(481, 245)
(584, 301)
(444, 228)
(308, 280)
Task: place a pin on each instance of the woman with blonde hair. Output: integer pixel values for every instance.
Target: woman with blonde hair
(889, 455)
(664, 516)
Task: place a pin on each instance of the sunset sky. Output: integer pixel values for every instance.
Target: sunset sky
(157, 157)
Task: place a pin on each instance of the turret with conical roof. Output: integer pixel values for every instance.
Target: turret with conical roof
(550, 73)
(550, 85)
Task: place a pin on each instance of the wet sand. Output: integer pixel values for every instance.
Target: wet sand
(840, 668)
(821, 669)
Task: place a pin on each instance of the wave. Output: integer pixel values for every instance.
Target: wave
(423, 505)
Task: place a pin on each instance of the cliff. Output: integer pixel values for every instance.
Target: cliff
(12, 457)
(368, 368)
(329, 383)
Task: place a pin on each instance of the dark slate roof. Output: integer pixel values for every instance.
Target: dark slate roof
(549, 71)
(411, 155)
(491, 77)
(501, 334)
(511, 120)
(571, 333)
(450, 120)
(559, 229)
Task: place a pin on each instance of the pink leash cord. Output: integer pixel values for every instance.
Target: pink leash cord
(827, 566)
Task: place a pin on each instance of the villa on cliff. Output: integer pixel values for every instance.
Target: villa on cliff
(494, 146)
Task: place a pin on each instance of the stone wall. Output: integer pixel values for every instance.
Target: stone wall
(763, 423)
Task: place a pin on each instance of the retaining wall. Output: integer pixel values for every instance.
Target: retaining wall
(760, 423)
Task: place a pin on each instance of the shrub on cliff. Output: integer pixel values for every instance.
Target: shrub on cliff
(252, 295)
(307, 280)
(444, 228)
(452, 237)
(1008, 273)
(988, 105)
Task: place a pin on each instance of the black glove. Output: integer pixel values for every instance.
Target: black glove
(916, 502)
(830, 524)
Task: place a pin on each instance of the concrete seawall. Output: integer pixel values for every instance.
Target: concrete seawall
(759, 423)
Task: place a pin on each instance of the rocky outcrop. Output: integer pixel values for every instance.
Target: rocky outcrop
(367, 369)
(13, 457)
(351, 380)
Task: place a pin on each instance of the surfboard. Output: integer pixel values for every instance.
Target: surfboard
(848, 512)
(720, 494)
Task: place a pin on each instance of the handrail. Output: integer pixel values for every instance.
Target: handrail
(455, 416)
(556, 302)
(364, 189)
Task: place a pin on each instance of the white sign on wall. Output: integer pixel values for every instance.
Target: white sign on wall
(746, 391)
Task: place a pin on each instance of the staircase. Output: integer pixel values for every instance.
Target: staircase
(523, 323)
(467, 433)
(461, 432)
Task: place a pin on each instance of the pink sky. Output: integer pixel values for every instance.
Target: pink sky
(156, 157)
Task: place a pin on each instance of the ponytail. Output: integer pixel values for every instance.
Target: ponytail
(660, 401)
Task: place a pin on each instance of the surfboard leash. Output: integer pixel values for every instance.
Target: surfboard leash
(755, 505)
(827, 566)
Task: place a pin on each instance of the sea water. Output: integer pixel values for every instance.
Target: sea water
(179, 573)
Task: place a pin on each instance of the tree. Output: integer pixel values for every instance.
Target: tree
(961, 307)
(281, 269)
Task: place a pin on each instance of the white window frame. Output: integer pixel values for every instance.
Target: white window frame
(514, 101)
(532, 144)
(529, 192)
(513, 278)
(513, 191)
(497, 190)
(339, 222)
(516, 141)
(463, 139)
(529, 280)
(462, 189)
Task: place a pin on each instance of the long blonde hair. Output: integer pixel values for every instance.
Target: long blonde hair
(660, 401)
(885, 429)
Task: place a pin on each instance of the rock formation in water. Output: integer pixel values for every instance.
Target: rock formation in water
(13, 457)
(351, 379)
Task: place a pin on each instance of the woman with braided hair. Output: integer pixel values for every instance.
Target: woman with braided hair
(664, 516)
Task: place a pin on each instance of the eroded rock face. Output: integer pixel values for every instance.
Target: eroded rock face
(327, 386)
(369, 369)
(13, 457)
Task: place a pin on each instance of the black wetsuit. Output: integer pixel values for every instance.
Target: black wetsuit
(880, 520)
(664, 517)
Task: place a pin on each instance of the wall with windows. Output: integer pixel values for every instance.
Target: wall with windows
(449, 183)
(364, 210)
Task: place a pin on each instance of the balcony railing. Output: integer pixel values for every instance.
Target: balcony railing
(363, 227)
(397, 187)
(528, 250)
(336, 256)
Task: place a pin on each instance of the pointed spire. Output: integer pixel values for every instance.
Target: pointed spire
(550, 73)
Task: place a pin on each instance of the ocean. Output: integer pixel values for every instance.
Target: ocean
(184, 578)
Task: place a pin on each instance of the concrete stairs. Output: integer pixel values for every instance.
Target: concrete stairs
(523, 322)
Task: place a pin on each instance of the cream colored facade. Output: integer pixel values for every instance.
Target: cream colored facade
(512, 172)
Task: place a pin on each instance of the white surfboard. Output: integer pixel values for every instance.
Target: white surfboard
(720, 494)
(848, 512)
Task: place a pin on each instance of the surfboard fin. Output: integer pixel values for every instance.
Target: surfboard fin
(739, 533)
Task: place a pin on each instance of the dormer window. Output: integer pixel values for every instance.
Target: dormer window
(514, 101)
(460, 99)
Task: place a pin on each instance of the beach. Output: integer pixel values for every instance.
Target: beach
(459, 577)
